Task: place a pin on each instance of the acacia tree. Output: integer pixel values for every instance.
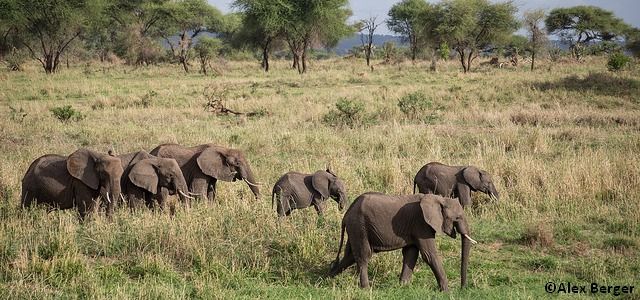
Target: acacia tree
(537, 38)
(135, 27)
(367, 31)
(47, 27)
(405, 19)
(263, 23)
(583, 24)
(469, 26)
(188, 19)
(314, 23)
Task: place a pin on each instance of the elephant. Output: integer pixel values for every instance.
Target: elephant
(299, 190)
(76, 180)
(378, 222)
(203, 165)
(454, 181)
(146, 175)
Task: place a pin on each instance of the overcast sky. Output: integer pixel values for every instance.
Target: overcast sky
(625, 9)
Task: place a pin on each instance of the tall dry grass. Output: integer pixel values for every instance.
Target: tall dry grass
(561, 142)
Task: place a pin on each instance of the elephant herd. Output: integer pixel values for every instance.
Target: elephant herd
(374, 222)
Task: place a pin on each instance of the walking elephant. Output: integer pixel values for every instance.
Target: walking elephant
(377, 222)
(453, 181)
(145, 178)
(77, 180)
(203, 165)
(296, 190)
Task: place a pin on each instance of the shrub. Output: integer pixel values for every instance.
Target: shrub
(67, 113)
(417, 106)
(347, 113)
(618, 61)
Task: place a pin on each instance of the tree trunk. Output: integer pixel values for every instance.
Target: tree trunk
(462, 61)
(295, 61)
(304, 60)
(533, 60)
(469, 60)
(184, 64)
(265, 57)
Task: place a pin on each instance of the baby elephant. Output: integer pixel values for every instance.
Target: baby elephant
(453, 181)
(298, 190)
(148, 179)
(377, 222)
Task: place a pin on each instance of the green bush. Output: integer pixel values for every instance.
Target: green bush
(67, 113)
(347, 113)
(618, 61)
(415, 105)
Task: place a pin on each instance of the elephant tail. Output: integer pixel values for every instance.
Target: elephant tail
(414, 186)
(337, 261)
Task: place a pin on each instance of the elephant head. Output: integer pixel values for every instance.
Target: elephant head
(479, 180)
(446, 215)
(100, 172)
(327, 184)
(227, 165)
(151, 174)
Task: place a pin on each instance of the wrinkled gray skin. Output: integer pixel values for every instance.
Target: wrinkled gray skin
(77, 180)
(203, 165)
(454, 181)
(146, 176)
(296, 190)
(377, 222)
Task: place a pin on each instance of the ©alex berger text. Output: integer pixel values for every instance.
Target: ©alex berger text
(592, 288)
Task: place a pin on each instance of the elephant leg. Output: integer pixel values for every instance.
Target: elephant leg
(199, 186)
(347, 261)
(211, 189)
(320, 207)
(409, 259)
(429, 253)
(362, 253)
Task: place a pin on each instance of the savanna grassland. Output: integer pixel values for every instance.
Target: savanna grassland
(562, 143)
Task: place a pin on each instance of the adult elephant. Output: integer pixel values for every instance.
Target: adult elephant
(454, 181)
(203, 165)
(377, 222)
(148, 179)
(296, 190)
(70, 181)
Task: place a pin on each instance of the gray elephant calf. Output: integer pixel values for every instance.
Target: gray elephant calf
(453, 181)
(296, 190)
(377, 222)
(148, 179)
(77, 180)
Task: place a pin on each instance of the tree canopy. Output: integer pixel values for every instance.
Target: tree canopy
(582, 24)
(47, 27)
(468, 26)
(405, 19)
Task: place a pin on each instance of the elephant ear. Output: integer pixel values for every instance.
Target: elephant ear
(320, 182)
(472, 177)
(213, 163)
(82, 166)
(431, 206)
(144, 175)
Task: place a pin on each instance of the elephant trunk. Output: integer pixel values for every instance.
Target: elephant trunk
(111, 194)
(463, 228)
(493, 192)
(251, 181)
(342, 201)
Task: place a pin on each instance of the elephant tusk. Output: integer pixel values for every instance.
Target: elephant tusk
(122, 198)
(250, 183)
(193, 194)
(185, 195)
(470, 239)
(108, 198)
